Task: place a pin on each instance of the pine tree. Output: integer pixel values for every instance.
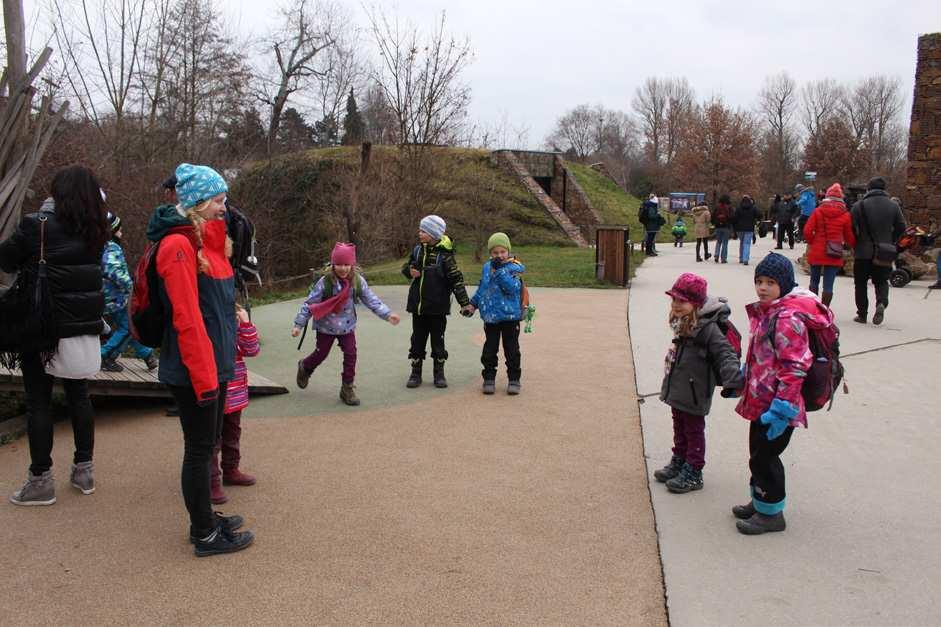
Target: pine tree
(294, 133)
(354, 129)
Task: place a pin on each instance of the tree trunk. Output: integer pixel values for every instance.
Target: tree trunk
(15, 26)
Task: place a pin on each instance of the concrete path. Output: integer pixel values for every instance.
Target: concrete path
(862, 545)
(424, 506)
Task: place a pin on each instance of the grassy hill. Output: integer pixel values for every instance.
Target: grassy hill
(614, 204)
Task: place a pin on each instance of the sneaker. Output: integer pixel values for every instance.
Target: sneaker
(708, 256)
(151, 361)
(110, 364)
(303, 375)
(879, 315)
(744, 512)
(670, 470)
(222, 540)
(860, 318)
(38, 490)
(489, 387)
(758, 524)
(687, 480)
(82, 477)
(229, 522)
(513, 388)
(348, 394)
(935, 286)
(237, 477)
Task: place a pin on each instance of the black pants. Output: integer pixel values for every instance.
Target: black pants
(865, 270)
(202, 428)
(39, 420)
(767, 471)
(509, 332)
(786, 229)
(704, 241)
(801, 223)
(678, 240)
(424, 326)
(650, 244)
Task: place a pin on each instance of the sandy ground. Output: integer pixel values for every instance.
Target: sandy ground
(439, 507)
(862, 545)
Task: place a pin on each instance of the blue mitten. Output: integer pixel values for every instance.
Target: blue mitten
(778, 417)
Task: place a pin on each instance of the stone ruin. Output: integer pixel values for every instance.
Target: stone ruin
(922, 195)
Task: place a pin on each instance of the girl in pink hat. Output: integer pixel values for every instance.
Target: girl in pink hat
(700, 358)
(331, 305)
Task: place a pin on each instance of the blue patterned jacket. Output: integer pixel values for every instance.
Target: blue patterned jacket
(117, 284)
(499, 293)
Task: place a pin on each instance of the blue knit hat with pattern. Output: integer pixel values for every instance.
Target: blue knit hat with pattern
(433, 225)
(779, 268)
(196, 183)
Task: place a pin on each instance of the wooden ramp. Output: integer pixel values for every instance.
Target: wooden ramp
(136, 381)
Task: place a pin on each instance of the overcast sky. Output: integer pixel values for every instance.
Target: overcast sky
(535, 59)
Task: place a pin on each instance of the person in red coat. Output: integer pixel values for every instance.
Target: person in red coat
(827, 232)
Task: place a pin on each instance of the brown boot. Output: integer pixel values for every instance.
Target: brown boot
(826, 298)
(348, 394)
(216, 494)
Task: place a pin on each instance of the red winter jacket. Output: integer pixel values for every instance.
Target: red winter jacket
(829, 221)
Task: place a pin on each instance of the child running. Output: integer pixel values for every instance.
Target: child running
(776, 366)
(434, 273)
(499, 299)
(236, 399)
(700, 358)
(331, 303)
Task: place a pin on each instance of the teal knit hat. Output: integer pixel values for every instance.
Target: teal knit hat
(196, 183)
(499, 239)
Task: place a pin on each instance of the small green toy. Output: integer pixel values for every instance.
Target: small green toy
(528, 318)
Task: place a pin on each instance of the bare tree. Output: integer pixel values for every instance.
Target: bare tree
(820, 102)
(650, 104)
(872, 110)
(308, 30)
(777, 106)
(341, 70)
(421, 78)
(679, 105)
(579, 131)
(14, 25)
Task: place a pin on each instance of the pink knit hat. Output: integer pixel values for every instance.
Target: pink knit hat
(835, 191)
(343, 254)
(691, 288)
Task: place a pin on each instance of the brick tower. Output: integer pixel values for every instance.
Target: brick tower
(923, 190)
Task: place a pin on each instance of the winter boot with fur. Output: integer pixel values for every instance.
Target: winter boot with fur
(348, 394)
(688, 480)
(414, 379)
(440, 380)
(670, 470)
(759, 523)
(82, 477)
(38, 490)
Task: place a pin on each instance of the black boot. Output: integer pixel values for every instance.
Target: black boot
(414, 379)
(744, 512)
(689, 479)
(758, 524)
(440, 380)
(670, 470)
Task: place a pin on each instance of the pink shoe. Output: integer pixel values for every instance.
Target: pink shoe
(237, 477)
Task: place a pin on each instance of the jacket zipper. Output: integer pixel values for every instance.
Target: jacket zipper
(693, 388)
(421, 281)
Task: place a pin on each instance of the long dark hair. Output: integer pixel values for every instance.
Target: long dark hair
(80, 207)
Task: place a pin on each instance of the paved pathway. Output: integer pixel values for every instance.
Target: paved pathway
(422, 506)
(862, 545)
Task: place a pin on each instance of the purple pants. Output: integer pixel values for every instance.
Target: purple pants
(689, 438)
(325, 343)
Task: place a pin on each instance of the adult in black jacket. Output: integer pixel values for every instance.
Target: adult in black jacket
(744, 220)
(877, 219)
(73, 230)
(783, 215)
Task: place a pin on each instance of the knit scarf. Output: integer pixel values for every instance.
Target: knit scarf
(332, 305)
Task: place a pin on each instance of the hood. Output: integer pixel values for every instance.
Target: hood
(700, 208)
(875, 192)
(747, 203)
(801, 302)
(48, 206)
(713, 310)
(832, 207)
(809, 193)
(164, 218)
(650, 203)
(214, 233)
(445, 243)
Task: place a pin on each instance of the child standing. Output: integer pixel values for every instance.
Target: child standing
(700, 358)
(433, 271)
(117, 286)
(679, 232)
(331, 303)
(236, 399)
(776, 365)
(499, 299)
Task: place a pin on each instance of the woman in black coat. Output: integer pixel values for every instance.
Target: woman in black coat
(744, 221)
(70, 231)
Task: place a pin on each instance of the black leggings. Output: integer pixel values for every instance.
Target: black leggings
(767, 471)
(39, 421)
(705, 245)
(202, 428)
(509, 332)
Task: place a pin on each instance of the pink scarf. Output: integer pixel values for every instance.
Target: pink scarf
(333, 304)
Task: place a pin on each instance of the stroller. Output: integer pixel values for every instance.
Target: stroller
(914, 241)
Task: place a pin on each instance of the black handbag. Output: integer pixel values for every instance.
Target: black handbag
(833, 248)
(26, 313)
(882, 254)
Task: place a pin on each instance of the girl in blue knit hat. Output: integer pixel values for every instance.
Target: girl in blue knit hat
(776, 365)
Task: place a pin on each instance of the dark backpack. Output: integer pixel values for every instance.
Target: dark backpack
(722, 216)
(734, 338)
(653, 211)
(148, 316)
(825, 373)
(241, 230)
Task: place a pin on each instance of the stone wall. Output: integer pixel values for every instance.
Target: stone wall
(923, 191)
(569, 195)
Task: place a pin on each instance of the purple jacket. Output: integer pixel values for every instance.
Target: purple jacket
(344, 321)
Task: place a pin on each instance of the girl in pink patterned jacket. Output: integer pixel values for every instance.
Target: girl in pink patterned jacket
(236, 399)
(779, 356)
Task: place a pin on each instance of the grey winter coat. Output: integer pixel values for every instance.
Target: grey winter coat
(696, 364)
(883, 218)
